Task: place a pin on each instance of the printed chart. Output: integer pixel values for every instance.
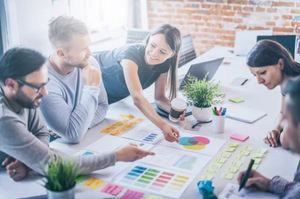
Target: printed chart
(155, 179)
(196, 143)
(176, 159)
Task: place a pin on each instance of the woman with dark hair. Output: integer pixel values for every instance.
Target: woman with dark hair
(273, 65)
(130, 69)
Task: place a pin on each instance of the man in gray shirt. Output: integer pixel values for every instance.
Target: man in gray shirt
(24, 136)
(77, 99)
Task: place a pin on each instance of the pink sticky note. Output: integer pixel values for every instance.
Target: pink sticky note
(239, 137)
(112, 189)
(130, 194)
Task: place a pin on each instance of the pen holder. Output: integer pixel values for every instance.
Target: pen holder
(218, 124)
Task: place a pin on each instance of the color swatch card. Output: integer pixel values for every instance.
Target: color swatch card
(130, 194)
(231, 192)
(155, 179)
(196, 143)
(146, 132)
(179, 160)
(112, 189)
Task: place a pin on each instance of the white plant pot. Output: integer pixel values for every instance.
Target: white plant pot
(68, 194)
(202, 114)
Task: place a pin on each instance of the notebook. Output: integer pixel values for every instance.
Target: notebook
(243, 114)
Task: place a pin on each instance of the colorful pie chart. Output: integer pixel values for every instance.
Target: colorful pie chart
(194, 143)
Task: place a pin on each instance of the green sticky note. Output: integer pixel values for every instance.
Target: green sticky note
(221, 160)
(227, 176)
(233, 144)
(236, 100)
(246, 153)
(215, 165)
(254, 166)
(240, 157)
(153, 197)
(225, 154)
(247, 148)
(210, 172)
(261, 150)
(229, 149)
(258, 155)
(232, 169)
(256, 160)
(206, 177)
(236, 163)
(80, 179)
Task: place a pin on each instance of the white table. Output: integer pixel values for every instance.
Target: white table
(277, 161)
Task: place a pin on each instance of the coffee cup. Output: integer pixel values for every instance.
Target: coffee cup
(178, 105)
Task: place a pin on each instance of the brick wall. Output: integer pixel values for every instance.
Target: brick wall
(214, 22)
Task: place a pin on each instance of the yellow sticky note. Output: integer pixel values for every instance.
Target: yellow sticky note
(206, 177)
(153, 197)
(236, 163)
(229, 149)
(130, 117)
(128, 126)
(119, 123)
(247, 148)
(221, 160)
(233, 144)
(215, 165)
(254, 167)
(122, 115)
(258, 155)
(210, 171)
(256, 160)
(232, 169)
(139, 119)
(227, 176)
(106, 131)
(240, 157)
(246, 153)
(261, 150)
(225, 154)
(94, 183)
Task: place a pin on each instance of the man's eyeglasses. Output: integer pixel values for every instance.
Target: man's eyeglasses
(38, 88)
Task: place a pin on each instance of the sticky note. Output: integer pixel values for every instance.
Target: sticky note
(236, 163)
(206, 177)
(236, 100)
(153, 197)
(232, 169)
(80, 179)
(210, 171)
(254, 166)
(94, 183)
(215, 166)
(247, 148)
(225, 154)
(130, 117)
(130, 194)
(233, 144)
(245, 153)
(239, 137)
(261, 150)
(256, 160)
(258, 155)
(227, 176)
(229, 149)
(112, 189)
(221, 160)
(240, 157)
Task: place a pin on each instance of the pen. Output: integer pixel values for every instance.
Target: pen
(212, 109)
(244, 82)
(246, 175)
(224, 111)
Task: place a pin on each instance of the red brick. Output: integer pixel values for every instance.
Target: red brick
(206, 6)
(243, 2)
(276, 17)
(296, 23)
(177, 22)
(229, 32)
(294, 11)
(185, 11)
(169, 5)
(258, 28)
(280, 29)
(283, 4)
(243, 27)
(196, 17)
(228, 19)
(227, 37)
(287, 17)
(166, 16)
(237, 8)
(196, 1)
(271, 23)
(298, 30)
(228, 13)
(272, 10)
(216, 17)
(248, 9)
(195, 23)
(187, 5)
(260, 9)
(287, 23)
(226, 7)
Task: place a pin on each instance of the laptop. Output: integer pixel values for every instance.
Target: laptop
(198, 70)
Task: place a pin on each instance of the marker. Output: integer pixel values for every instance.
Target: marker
(212, 109)
(224, 111)
(244, 82)
(246, 175)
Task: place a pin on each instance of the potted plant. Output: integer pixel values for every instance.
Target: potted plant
(202, 94)
(60, 178)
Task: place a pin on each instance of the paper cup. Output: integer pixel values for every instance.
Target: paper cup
(178, 105)
(218, 124)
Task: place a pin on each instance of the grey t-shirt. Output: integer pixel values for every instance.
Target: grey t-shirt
(25, 137)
